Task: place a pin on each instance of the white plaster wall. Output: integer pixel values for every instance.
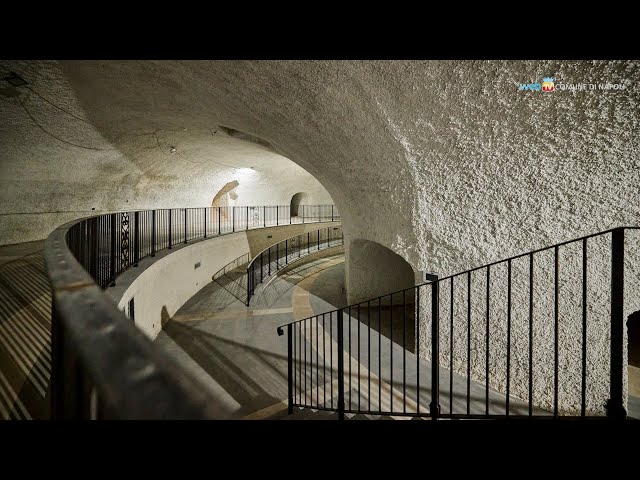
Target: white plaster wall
(170, 281)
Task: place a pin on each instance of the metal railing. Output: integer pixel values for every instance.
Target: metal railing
(102, 365)
(278, 256)
(232, 265)
(523, 337)
(107, 245)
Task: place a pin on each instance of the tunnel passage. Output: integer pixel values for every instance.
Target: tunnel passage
(375, 271)
(295, 203)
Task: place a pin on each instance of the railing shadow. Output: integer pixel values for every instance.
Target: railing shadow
(25, 338)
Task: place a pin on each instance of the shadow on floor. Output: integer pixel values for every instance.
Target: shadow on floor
(25, 338)
(239, 369)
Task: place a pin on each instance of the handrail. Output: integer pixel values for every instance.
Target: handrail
(592, 235)
(241, 260)
(486, 304)
(102, 365)
(293, 249)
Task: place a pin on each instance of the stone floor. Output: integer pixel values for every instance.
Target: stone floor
(25, 332)
(236, 353)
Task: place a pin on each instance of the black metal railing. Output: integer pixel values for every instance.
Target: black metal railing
(102, 365)
(232, 265)
(278, 256)
(107, 245)
(537, 335)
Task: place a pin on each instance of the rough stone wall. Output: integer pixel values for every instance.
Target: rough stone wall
(569, 322)
(444, 162)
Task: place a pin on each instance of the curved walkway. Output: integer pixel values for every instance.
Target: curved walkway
(234, 349)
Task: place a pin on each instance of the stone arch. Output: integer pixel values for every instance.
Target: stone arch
(224, 197)
(374, 270)
(296, 200)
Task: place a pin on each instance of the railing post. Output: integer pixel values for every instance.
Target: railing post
(286, 252)
(302, 213)
(57, 364)
(615, 405)
(233, 219)
(205, 222)
(248, 284)
(219, 228)
(113, 250)
(170, 236)
(153, 233)
(434, 407)
(277, 215)
(332, 213)
(264, 216)
(340, 367)
(136, 238)
(93, 248)
(269, 261)
(247, 219)
(185, 225)
(290, 369)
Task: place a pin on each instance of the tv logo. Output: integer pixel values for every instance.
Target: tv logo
(546, 86)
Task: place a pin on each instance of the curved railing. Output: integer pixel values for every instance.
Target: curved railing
(276, 257)
(523, 337)
(102, 365)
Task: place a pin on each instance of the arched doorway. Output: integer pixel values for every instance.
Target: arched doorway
(224, 198)
(372, 270)
(296, 200)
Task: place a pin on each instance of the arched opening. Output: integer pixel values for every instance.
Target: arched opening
(224, 197)
(372, 270)
(296, 200)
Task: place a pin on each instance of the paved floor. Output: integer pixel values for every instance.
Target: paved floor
(235, 351)
(25, 338)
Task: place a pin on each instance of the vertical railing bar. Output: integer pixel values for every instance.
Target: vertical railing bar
(555, 331)
(289, 369)
(350, 404)
(331, 355)
(469, 343)
(391, 352)
(417, 341)
(615, 405)
(434, 409)
(379, 352)
(359, 394)
(340, 366)
(451, 352)
(507, 399)
(583, 407)
(324, 364)
(317, 367)
(368, 346)
(404, 351)
(530, 334)
(305, 362)
(487, 345)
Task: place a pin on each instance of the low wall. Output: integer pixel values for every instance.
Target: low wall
(160, 285)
